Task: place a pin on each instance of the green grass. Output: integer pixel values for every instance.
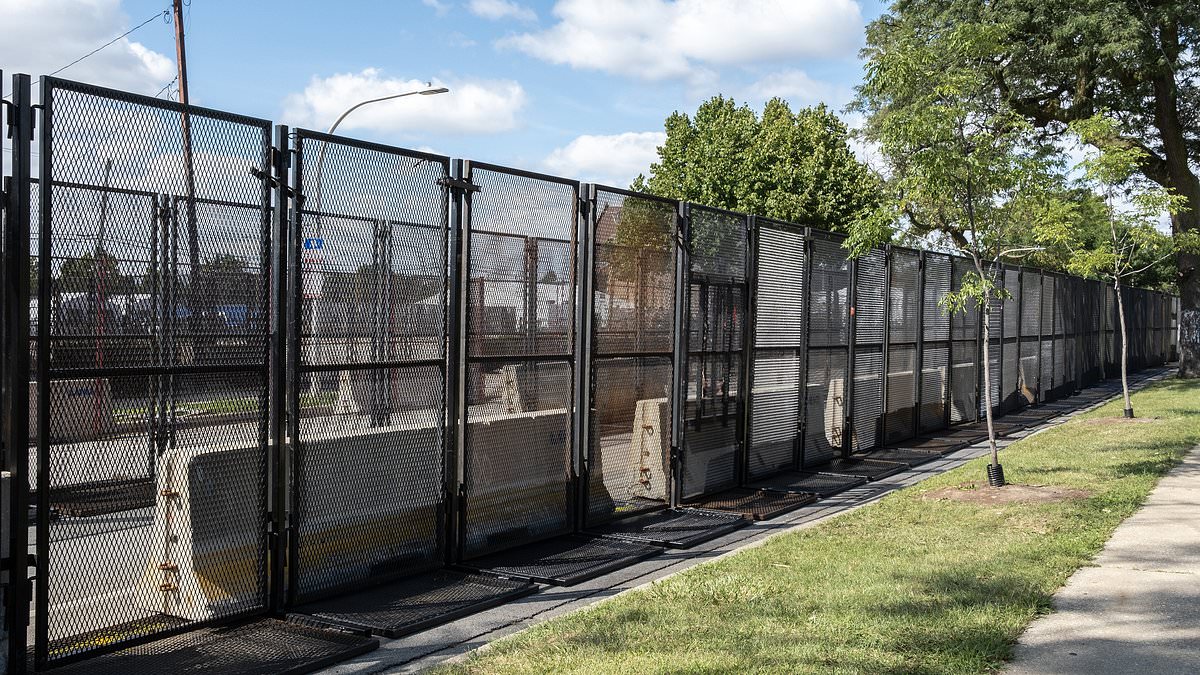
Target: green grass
(905, 585)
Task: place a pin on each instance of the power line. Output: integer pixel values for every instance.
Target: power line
(163, 15)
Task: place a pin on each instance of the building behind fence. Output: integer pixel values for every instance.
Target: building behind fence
(320, 363)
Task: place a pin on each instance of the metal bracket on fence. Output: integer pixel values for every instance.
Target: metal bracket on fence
(458, 184)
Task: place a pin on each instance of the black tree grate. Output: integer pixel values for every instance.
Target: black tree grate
(267, 647)
(676, 528)
(564, 561)
(821, 484)
(415, 604)
(755, 504)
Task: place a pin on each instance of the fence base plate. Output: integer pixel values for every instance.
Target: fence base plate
(909, 456)
(676, 528)
(867, 469)
(265, 646)
(414, 604)
(563, 561)
(821, 484)
(755, 504)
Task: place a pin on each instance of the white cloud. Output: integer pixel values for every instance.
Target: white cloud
(41, 37)
(660, 39)
(798, 88)
(471, 107)
(501, 9)
(438, 6)
(611, 160)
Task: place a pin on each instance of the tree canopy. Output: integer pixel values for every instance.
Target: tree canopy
(791, 166)
(1055, 62)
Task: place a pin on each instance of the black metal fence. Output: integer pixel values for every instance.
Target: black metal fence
(261, 371)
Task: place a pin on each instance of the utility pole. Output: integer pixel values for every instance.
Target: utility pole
(189, 170)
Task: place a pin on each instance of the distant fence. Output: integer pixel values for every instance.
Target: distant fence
(329, 362)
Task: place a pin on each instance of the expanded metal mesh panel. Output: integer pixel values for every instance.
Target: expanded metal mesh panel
(137, 297)
(717, 305)
(1048, 292)
(370, 386)
(1012, 303)
(829, 295)
(963, 381)
(519, 417)
(1031, 303)
(870, 296)
(780, 288)
(718, 242)
(935, 369)
(633, 303)
(1010, 376)
(900, 422)
(825, 396)
(905, 308)
(774, 411)
(1047, 371)
(994, 387)
(964, 325)
(868, 399)
(630, 436)
(937, 285)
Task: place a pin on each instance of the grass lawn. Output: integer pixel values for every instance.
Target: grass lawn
(908, 584)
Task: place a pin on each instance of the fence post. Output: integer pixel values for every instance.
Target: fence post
(919, 360)
(851, 337)
(997, 407)
(1041, 331)
(806, 322)
(279, 437)
(948, 385)
(749, 332)
(885, 347)
(458, 252)
(45, 279)
(584, 252)
(680, 348)
(17, 591)
(981, 347)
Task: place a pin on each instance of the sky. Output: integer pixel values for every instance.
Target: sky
(577, 88)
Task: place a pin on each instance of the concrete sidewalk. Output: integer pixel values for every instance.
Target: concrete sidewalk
(1138, 609)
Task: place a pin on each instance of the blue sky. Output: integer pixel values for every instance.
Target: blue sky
(575, 87)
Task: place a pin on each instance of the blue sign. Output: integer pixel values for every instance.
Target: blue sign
(314, 244)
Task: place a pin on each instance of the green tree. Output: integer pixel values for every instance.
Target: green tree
(1133, 206)
(224, 280)
(964, 170)
(791, 166)
(85, 275)
(1055, 62)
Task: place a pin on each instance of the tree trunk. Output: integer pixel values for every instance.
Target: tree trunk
(1124, 350)
(986, 309)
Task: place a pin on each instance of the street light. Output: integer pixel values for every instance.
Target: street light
(430, 90)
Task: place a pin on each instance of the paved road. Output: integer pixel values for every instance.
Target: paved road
(1138, 609)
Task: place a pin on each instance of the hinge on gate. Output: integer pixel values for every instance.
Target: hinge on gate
(458, 184)
(9, 108)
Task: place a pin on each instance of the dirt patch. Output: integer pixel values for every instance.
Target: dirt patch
(1116, 421)
(1009, 494)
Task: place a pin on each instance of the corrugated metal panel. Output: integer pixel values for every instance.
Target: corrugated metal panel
(774, 411)
(825, 393)
(905, 303)
(869, 298)
(868, 399)
(718, 242)
(901, 394)
(780, 299)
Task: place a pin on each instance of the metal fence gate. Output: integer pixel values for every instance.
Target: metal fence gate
(903, 344)
(518, 480)
(633, 320)
(368, 344)
(778, 362)
(717, 304)
(870, 308)
(150, 351)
